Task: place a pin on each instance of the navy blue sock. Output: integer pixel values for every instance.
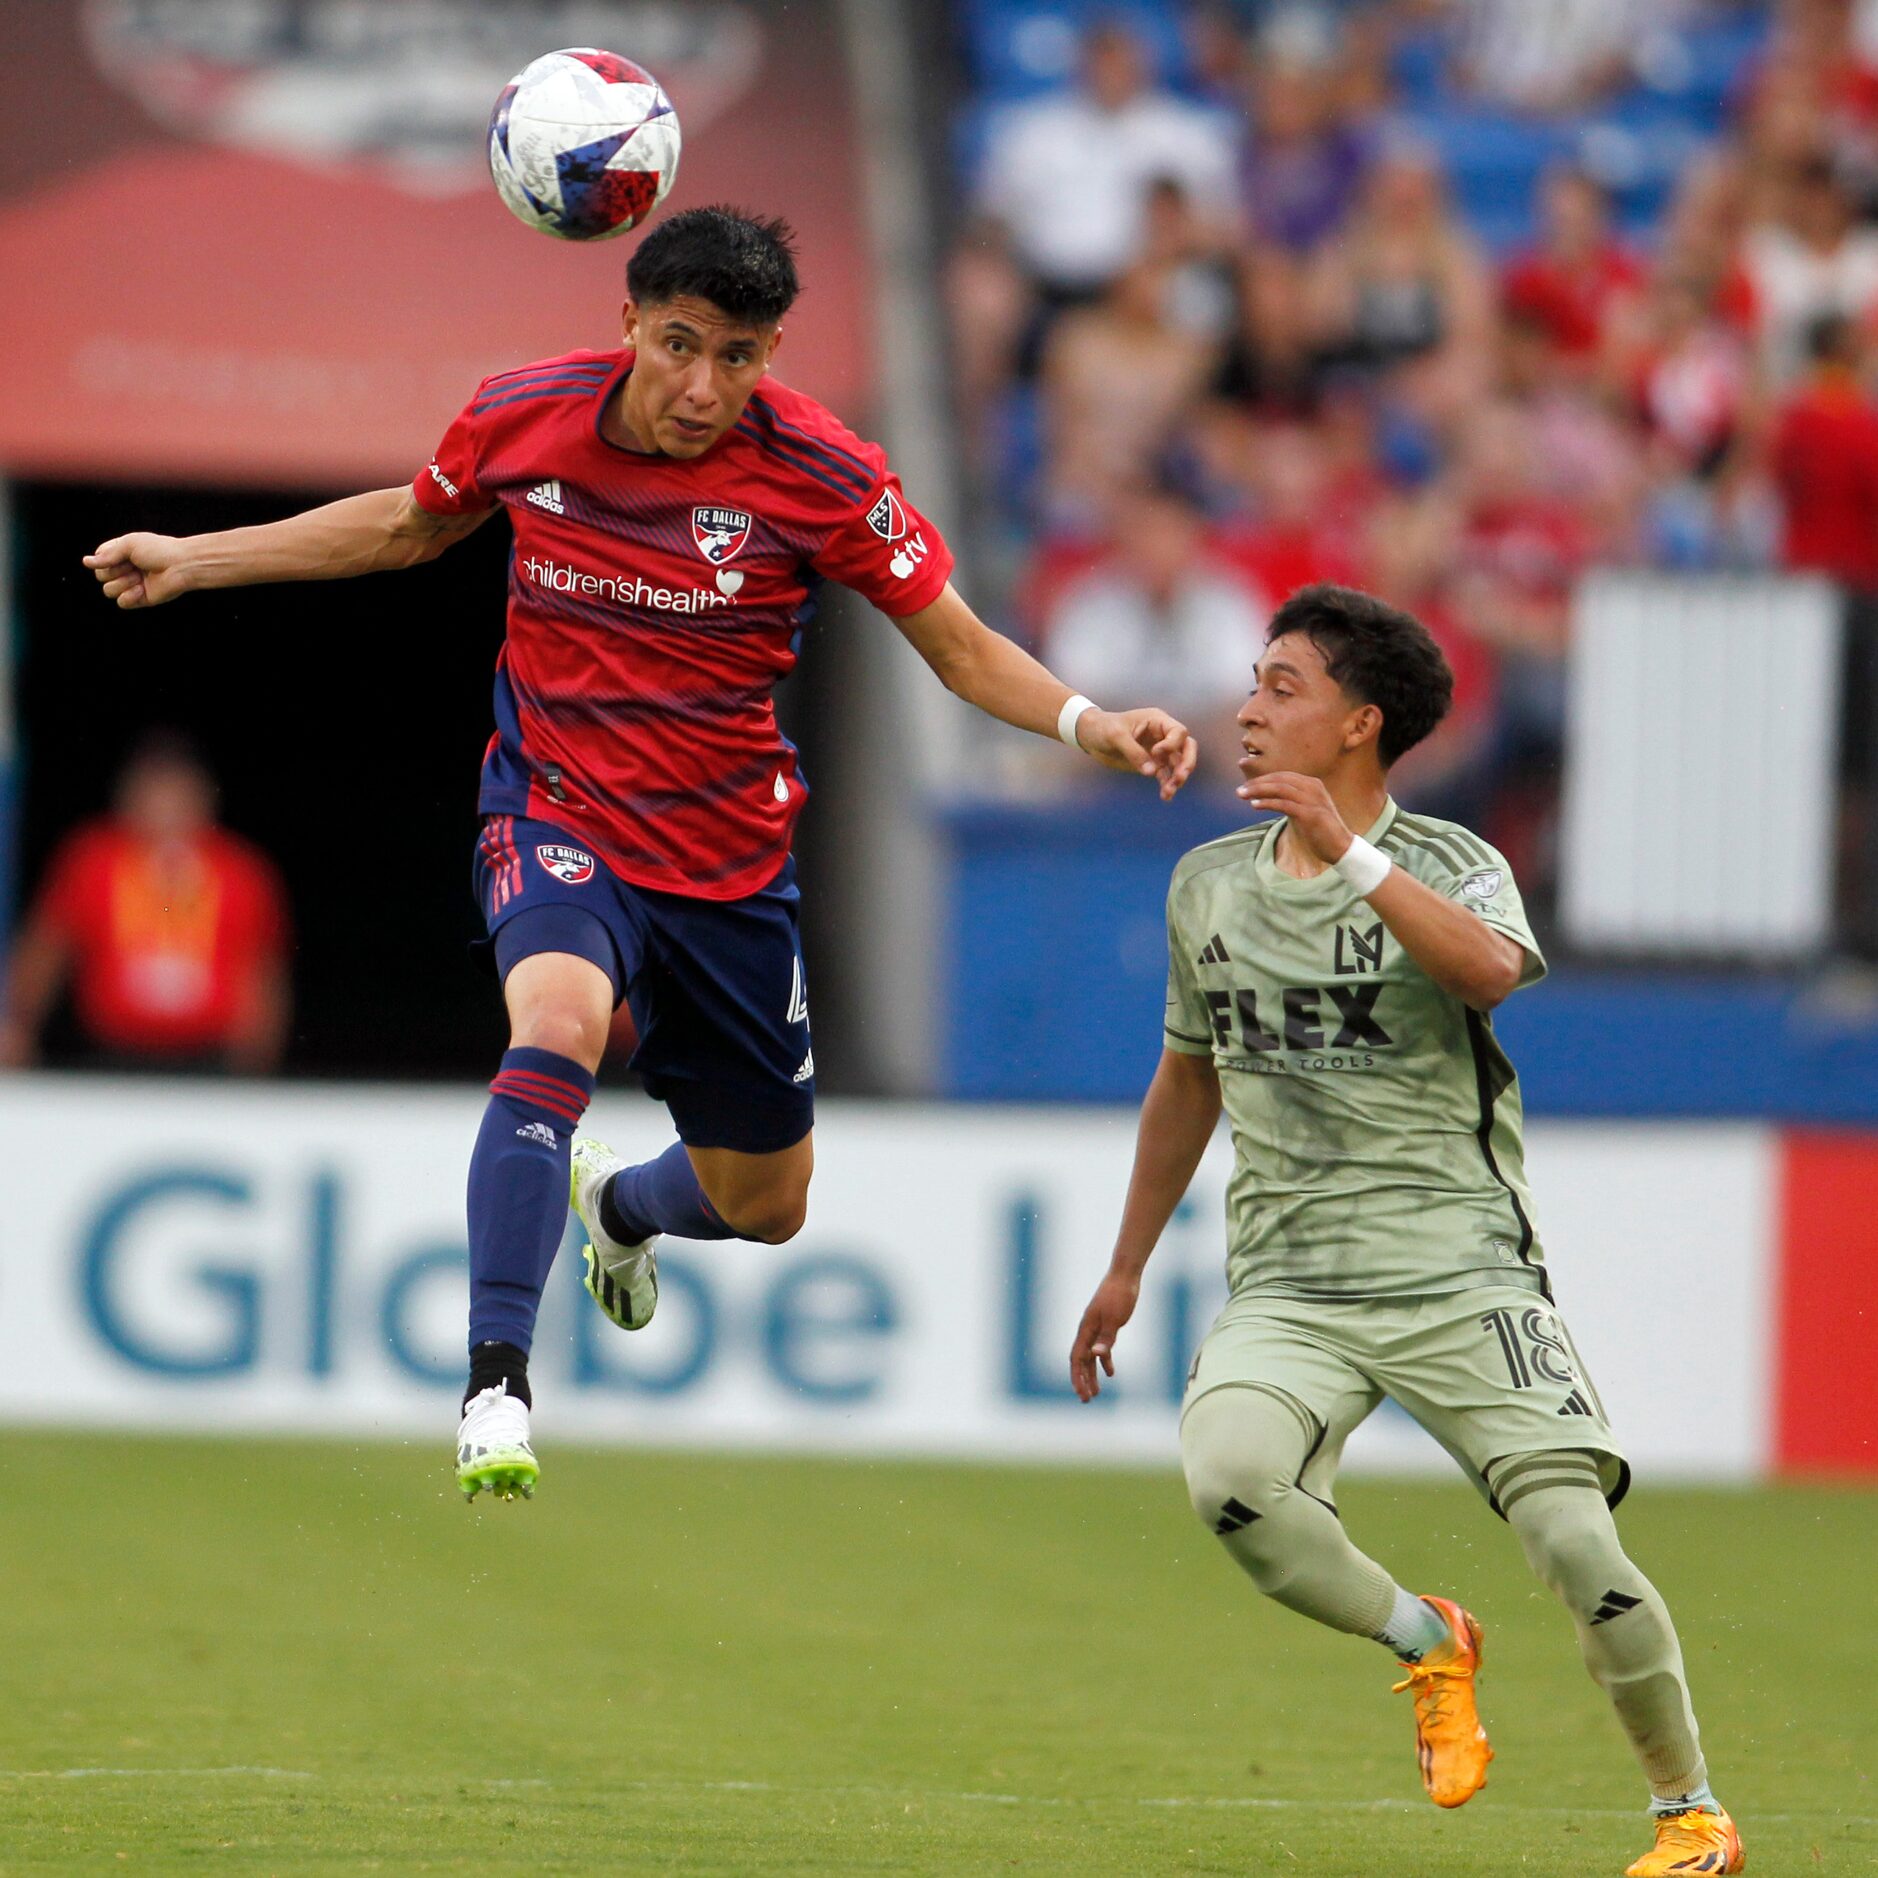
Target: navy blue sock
(518, 1190)
(660, 1196)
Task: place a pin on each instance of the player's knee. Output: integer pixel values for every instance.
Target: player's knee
(770, 1218)
(1571, 1542)
(578, 1035)
(1240, 1456)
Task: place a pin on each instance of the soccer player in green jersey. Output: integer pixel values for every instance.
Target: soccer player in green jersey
(1330, 979)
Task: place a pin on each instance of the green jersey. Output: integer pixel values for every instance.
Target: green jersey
(1375, 1119)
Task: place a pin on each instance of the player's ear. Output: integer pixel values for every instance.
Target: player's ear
(629, 321)
(1365, 726)
(775, 339)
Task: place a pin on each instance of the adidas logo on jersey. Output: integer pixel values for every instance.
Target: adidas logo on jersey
(1613, 1604)
(807, 1070)
(1215, 953)
(548, 496)
(1575, 1404)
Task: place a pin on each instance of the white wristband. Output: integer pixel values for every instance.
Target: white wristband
(1066, 718)
(1363, 866)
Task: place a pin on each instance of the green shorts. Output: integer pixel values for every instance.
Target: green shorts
(1490, 1373)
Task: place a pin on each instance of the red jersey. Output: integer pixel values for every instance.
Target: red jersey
(1826, 463)
(654, 602)
(166, 944)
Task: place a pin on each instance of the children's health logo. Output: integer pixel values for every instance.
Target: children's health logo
(719, 533)
(568, 865)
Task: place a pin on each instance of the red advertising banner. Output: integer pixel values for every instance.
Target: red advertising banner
(256, 241)
(1826, 1373)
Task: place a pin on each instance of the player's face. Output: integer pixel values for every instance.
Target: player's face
(694, 371)
(1298, 718)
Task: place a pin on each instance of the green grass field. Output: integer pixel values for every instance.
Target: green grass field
(292, 1658)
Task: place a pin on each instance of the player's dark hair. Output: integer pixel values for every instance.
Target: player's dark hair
(1379, 654)
(745, 265)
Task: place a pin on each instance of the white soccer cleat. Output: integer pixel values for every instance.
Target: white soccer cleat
(492, 1446)
(622, 1279)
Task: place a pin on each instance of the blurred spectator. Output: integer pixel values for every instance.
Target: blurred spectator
(1303, 164)
(1817, 91)
(1551, 55)
(1702, 237)
(989, 304)
(1520, 548)
(172, 933)
(1409, 549)
(1299, 525)
(1117, 376)
(1689, 376)
(1809, 260)
(1196, 256)
(1069, 174)
(1583, 450)
(1162, 610)
(1825, 463)
(1578, 274)
(1405, 282)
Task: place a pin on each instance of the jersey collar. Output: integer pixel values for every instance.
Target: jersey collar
(1329, 881)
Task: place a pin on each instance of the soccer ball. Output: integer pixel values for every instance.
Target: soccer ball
(583, 144)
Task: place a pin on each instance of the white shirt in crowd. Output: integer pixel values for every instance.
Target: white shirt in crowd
(1535, 52)
(1069, 179)
(1794, 285)
(1108, 637)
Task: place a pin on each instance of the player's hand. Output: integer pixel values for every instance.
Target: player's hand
(1111, 1307)
(1146, 741)
(1306, 803)
(139, 570)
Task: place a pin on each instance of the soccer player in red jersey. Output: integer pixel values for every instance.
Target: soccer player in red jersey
(674, 510)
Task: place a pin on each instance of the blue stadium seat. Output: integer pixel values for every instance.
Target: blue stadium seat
(1020, 48)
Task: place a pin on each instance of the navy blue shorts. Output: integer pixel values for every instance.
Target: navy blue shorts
(716, 987)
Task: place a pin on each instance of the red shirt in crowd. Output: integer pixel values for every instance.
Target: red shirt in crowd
(1571, 301)
(1826, 463)
(167, 944)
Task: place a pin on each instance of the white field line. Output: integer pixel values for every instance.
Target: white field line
(1196, 1801)
(860, 1790)
(152, 1773)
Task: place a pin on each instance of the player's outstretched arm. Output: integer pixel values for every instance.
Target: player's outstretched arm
(366, 534)
(1177, 1118)
(988, 670)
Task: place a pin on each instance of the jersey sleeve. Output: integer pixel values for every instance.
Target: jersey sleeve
(1487, 888)
(1187, 1029)
(447, 485)
(887, 552)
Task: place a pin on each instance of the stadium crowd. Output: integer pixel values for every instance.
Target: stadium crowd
(1222, 333)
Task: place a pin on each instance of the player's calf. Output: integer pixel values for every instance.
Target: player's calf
(1556, 1507)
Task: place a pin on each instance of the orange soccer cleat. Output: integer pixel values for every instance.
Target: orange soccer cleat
(1691, 1842)
(1450, 1744)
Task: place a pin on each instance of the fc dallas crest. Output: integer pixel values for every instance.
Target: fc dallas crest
(566, 864)
(719, 533)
